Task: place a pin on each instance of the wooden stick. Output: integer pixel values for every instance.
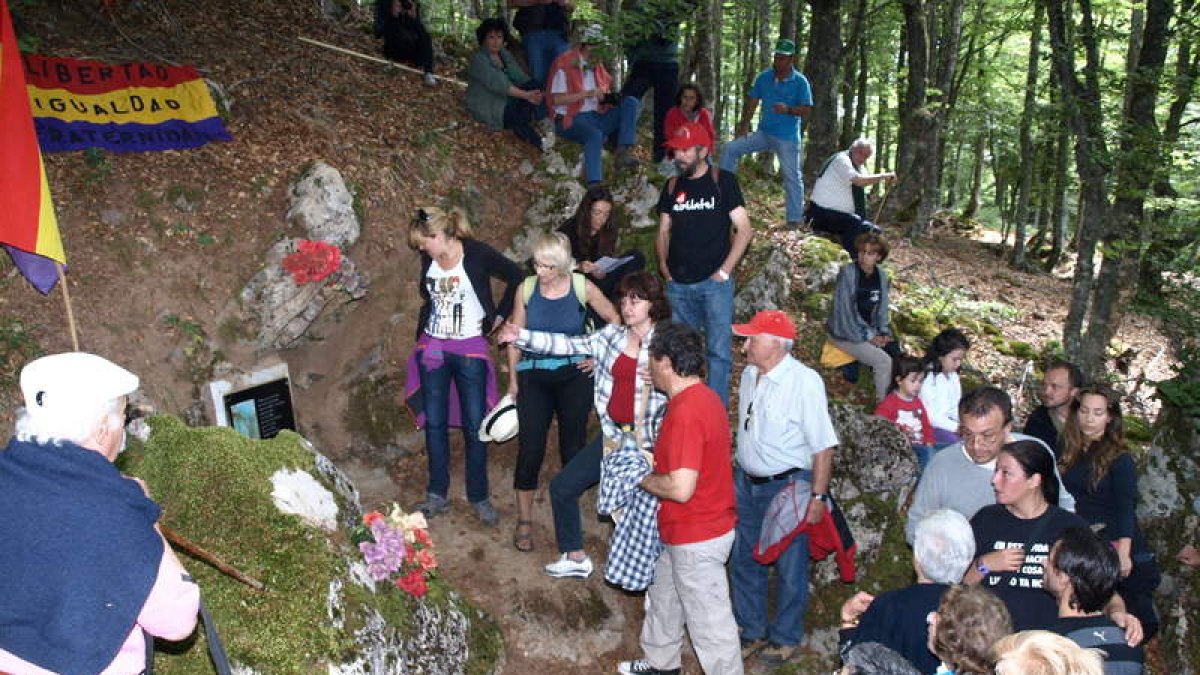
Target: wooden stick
(881, 205)
(376, 59)
(62, 282)
(192, 549)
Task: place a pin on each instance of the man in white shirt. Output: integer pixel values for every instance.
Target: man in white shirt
(839, 203)
(784, 436)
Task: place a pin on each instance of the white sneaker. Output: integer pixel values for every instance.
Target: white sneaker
(430, 80)
(641, 667)
(565, 567)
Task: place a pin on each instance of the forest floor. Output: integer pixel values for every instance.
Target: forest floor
(160, 244)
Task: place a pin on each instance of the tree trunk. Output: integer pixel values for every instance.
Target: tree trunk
(1025, 135)
(1058, 212)
(821, 63)
(853, 73)
(708, 53)
(972, 207)
(787, 19)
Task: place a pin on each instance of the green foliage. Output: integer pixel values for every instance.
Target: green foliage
(17, 348)
(97, 168)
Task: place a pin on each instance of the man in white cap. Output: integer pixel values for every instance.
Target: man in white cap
(784, 436)
(85, 574)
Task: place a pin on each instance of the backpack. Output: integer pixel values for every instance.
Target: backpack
(578, 285)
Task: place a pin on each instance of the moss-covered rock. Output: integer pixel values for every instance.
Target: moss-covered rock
(320, 613)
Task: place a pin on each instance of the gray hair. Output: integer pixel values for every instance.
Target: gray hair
(75, 425)
(872, 658)
(554, 249)
(863, 142)
(944, 546)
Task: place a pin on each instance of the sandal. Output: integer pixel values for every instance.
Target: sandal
(523, 536)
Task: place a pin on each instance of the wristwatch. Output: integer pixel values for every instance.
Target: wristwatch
(821, 497)
(723, 274)
(983, 569)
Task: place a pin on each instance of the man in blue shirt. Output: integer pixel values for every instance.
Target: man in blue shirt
(786, 99)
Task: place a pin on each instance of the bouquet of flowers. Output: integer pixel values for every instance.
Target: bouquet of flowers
(312, 261)
(397, 548)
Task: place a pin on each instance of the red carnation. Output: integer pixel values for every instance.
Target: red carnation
(313, 261)
(413, 583)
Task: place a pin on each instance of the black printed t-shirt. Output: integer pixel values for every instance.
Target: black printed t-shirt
(870, 293)
(1032, 607)
(700, 224)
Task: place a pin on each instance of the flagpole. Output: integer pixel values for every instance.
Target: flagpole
(62, 283)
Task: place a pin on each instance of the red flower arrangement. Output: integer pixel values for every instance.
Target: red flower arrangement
(397, 548)
(313, 261)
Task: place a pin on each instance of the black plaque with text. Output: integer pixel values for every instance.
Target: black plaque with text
(261, 411)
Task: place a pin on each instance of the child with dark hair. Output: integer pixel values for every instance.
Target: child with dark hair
(902, 407)
(942, 388)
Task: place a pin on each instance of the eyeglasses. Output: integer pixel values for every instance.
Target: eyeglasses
(987, 438)
(538, 265)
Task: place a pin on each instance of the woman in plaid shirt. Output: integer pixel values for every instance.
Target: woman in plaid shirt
(623, 397)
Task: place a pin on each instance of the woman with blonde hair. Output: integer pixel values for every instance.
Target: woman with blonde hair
(452, 354)
(966, 624)
(1039, 652)
(1099, 472)
(555, 300)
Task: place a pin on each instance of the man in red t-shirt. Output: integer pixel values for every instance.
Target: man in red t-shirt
(693, 480)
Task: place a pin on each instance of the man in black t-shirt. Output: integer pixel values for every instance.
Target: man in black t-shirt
(1061, 384)
(703, 231)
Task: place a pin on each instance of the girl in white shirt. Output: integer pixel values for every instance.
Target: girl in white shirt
(941, 390)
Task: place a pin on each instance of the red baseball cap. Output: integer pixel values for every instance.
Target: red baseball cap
(689, 135)
(769, 321)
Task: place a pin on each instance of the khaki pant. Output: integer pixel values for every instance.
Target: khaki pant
(690, 589)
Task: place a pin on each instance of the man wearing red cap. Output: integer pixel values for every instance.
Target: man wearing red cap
(703, 230)
(784, 435)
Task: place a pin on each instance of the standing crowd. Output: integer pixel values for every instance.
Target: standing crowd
(1026, 549)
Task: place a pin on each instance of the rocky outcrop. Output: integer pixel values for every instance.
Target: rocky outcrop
(321, 611)
(1170, 487)
(282, 309)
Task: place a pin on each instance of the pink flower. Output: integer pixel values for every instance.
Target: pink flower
(426, 559)
(372, 517)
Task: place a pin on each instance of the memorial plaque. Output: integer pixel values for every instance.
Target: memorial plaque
(261, 411)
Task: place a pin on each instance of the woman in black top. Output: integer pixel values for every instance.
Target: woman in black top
(1099, 472)
(593, 232)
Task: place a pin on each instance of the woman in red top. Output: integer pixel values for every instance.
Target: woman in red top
(689, 107)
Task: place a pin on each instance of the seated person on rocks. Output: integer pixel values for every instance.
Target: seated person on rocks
(839, 202)
(962, 631)
(858, 320)
(499, 93)
(585, 109)
(1059, 387)
(1082, 573)
(943, 549)
(1098, 469)
(689, 107)
(1014, 536)
(942, 388)
(1039, 652)
(593, 232)
(903, 408)
(959, 477)
(405, 39)
(85, 574)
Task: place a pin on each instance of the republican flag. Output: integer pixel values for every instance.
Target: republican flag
(28, 227)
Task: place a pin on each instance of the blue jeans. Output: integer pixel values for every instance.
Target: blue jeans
(664, 79)
(589, 129)
(541, 48)
(788, 153)
(924, 453)
(749, 577)
(470, 379)
(707, 306)
(579, 474)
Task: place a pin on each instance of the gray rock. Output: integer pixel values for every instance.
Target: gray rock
(768, 289)
(113, 217)
(284, 310)
(323, 206)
